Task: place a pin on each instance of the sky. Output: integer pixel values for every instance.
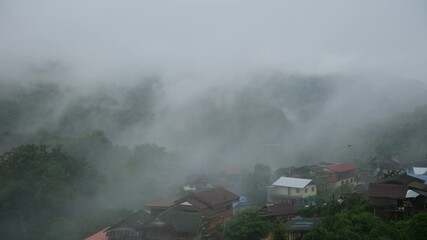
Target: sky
(99, 39)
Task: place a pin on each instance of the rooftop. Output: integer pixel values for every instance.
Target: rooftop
(101, 235)
(292, 182)
(302, 224)
(392, 191)
(420, 170)
(275, 209)
(342, 167)
(212, 196)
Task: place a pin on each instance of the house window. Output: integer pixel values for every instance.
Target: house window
(297, 190)
(342, 182)
(312, 189)
(346, 181)
(351, 180)
(306, 190)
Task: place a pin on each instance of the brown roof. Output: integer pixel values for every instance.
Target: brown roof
(276, 209)
(161, 204)
(403, 179)
(212, 197)
(392, 191)
(134, 221)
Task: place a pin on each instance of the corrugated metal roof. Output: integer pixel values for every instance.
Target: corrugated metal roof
(342, 167)
(411, 194)
(392, 191)
(211, 197)
(419, 176)
(292, 182)
(420, 170)
(101, 235)
(302, 224)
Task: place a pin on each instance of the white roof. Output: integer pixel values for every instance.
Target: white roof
(420, 170)
(292, 182)
(186, 204)
(411, 194)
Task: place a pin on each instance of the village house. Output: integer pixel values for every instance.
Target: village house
(278, 212)
(340, 174)
(388, 200)
(296, 228)
(215, 204)
(295, 191)
(168, 225)
(417, 189)
(188, 217)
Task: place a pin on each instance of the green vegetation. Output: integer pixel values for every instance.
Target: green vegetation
(255, 183)
(41, 192)
(63, 175)
(246, 225)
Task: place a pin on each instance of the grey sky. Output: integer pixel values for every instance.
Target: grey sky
(102, 37)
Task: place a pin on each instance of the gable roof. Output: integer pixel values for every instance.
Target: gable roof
(134, 221)
(277, 209)
(181, 221)
(419, 176)
(392, 191)
(163, 204)
(342, 167)
(291, 182)
(210, 197)
(401, 179)
(420, 170)
(101, 235)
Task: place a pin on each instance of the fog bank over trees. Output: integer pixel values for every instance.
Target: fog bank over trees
(275, 118)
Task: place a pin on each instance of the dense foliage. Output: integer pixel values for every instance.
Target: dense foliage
(41, 190)
(246, 225)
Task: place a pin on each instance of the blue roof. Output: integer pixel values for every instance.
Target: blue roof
(419, 176)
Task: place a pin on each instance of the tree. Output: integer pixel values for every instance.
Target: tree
(413, 228)
(246, 225)
(278, 233)
(39, 184)
(255, 183)
(352, 224)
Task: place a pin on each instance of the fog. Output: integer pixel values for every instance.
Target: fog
(298, 72)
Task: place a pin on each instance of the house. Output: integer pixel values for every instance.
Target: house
(129, 228)
(295, 191)
(340, 174)
(278, 212)
(417, 186)
(317, 169)
(168, 225)
(388, 200)
(380, 167)
(215, 205)
(296, 228)
(188, 217)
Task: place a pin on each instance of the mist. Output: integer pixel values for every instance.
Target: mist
(211, 85)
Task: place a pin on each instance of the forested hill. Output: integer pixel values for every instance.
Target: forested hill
(69, 157)
(270, 117)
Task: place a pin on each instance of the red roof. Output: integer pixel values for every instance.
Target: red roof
(101, 235)
(342, 167)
